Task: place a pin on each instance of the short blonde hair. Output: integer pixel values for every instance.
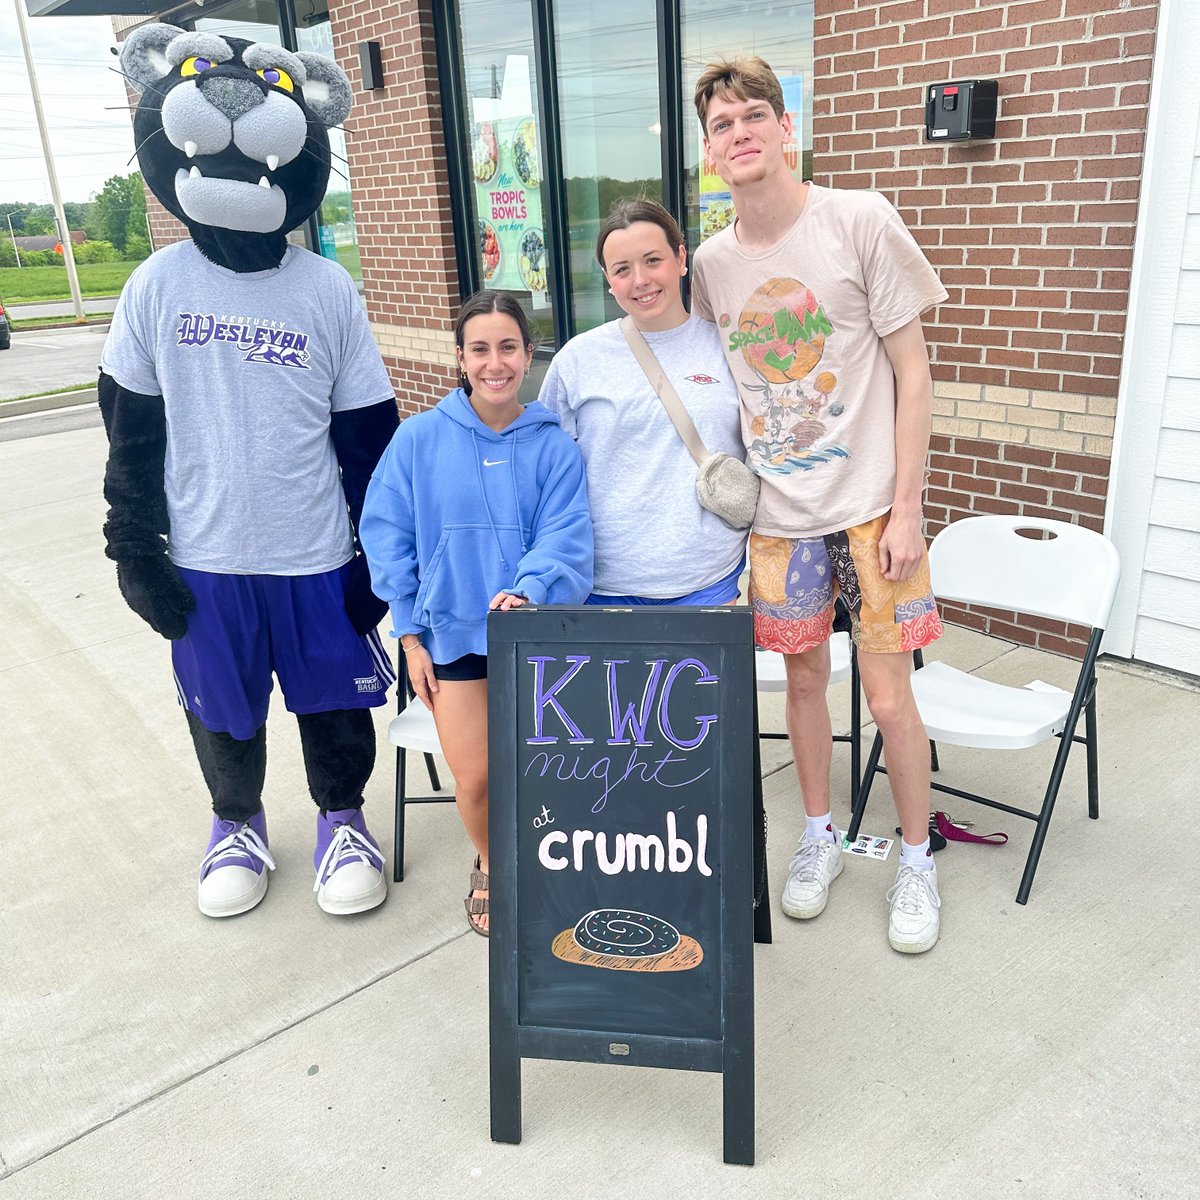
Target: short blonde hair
(746, 77)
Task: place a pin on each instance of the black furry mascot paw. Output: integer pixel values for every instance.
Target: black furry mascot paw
(152, 588)
(246, 406)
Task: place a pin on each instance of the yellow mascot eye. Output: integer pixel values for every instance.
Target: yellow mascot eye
(277, 77)
(195, 66)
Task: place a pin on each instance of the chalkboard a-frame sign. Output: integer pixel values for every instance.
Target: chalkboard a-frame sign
(621, 768)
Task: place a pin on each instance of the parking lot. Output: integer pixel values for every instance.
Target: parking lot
(46, 360)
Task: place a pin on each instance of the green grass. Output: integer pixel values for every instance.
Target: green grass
(22, 285)
(58, 391)
(55, 322)
(348, 257)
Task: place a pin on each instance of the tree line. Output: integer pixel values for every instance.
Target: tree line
(114, 220)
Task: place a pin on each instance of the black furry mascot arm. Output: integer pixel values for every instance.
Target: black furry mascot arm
(360, 436)
(137, 523)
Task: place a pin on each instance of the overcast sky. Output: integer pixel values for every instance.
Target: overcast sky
(90, 138)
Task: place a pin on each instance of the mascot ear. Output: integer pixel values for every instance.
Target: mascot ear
(143, 54)
(326, 90)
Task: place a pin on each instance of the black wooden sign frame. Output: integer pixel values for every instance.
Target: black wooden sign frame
(525, 978)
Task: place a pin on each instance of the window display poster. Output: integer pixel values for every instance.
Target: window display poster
(507, 168)
(716, 203)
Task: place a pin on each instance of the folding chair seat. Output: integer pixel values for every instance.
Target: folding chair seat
(1068, 574)
(412, 728)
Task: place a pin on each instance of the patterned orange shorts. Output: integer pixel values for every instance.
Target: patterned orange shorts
(794, 582)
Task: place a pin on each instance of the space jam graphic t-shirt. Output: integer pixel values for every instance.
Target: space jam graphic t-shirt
(250, 367)
(801, 325)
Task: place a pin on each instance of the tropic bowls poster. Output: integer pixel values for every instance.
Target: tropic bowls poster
(506, 165)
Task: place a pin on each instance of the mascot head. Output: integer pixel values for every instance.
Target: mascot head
(232, 137)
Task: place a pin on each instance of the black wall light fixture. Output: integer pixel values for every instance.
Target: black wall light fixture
(371, 65)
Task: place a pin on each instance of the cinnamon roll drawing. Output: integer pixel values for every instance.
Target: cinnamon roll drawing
(620, 939)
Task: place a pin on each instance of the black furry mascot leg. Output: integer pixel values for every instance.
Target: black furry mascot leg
(339, 756)
(233, 770)
(237, 860)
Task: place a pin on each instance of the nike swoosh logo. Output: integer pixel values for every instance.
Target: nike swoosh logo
(497, 463)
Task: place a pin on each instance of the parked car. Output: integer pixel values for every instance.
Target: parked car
(5, 335)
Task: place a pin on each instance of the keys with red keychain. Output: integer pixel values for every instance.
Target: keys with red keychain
(943, 830)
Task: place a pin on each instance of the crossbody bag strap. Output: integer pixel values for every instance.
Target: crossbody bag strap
(663, 389)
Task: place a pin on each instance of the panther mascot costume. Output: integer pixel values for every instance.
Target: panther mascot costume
(246, 405)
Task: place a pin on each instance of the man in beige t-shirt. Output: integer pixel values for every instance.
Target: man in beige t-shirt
(818, 293)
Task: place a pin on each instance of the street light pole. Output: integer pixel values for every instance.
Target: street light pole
(60, 219)
(8, 218)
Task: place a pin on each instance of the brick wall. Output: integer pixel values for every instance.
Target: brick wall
(164, 227)
(400, 187)
(1031, 233)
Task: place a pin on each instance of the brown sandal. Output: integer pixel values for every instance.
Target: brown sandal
(477, 906)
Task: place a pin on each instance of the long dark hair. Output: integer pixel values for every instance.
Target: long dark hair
(631, 209)
(482, 303)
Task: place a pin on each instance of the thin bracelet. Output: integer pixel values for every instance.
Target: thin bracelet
(410, 649)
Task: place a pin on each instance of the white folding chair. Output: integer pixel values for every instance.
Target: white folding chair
(412, 728)
(771, 676)
(1039, 568)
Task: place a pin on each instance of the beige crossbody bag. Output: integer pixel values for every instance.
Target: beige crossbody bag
(724, 485)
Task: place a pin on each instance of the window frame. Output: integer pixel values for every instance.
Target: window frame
(554, 195)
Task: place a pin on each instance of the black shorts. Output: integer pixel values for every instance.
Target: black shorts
(470, 666)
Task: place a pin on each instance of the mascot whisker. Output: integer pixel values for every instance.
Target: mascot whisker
(246, 405)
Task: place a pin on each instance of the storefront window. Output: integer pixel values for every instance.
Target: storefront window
(779, 33)
(504, 141)
(254, 20)
(336, 232)
(608, 82)
(609, 93)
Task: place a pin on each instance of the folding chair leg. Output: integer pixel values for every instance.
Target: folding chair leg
(855, 728)
(1043, 821)
(864, 792)
(1066, 740)
(398, 842)
(431, 767)
(1093, 765)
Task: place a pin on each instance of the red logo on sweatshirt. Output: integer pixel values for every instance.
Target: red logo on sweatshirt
(703, 379)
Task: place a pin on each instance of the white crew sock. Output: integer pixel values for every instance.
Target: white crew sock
(820, 829)
(920, 857)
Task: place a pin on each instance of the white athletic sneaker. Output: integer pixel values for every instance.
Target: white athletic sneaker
(815, 865)
(914, 922)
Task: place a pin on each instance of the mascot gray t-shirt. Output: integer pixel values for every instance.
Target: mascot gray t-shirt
(250, 366)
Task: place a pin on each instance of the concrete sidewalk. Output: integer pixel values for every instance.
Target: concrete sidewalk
(1040, 1051)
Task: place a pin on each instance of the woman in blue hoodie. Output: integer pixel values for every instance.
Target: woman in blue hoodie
(477, 504)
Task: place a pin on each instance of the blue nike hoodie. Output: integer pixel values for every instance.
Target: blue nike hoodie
(456, 512)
